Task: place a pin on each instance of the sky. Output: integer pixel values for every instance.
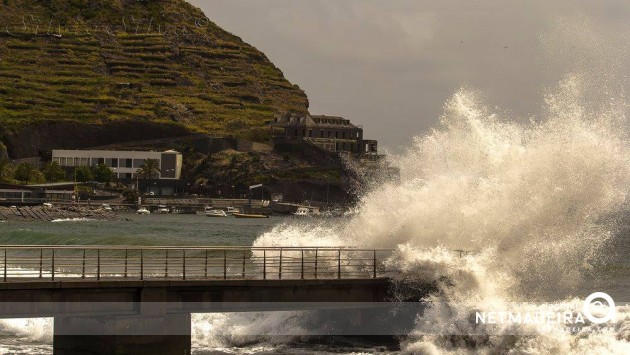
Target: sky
(390, 65)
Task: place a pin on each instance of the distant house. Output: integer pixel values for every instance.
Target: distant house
(124, 164)
(332, 133)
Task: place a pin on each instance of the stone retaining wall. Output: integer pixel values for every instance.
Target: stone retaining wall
(42, 213)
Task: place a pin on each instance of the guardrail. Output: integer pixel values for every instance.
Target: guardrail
(50, 263)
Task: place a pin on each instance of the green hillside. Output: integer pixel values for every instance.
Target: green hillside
(106, 61)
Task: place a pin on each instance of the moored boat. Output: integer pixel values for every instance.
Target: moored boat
(307, 212)
(232, 210)
(250, 215)
(216, 213)
(162, 210)
(143, 211)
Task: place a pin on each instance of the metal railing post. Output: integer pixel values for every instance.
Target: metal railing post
(265, 264)
(98, 264)
(141, 264)
(280, 266)
(166, 265)
(338, 263)
(205, 272)
(316, 252)
(41, 263)
(5, 265)
(224, 264)
(184, 264)
(244, 264)
(302, 266)
(83, 265)
(52, 269)
(126, 263)
(374, 264)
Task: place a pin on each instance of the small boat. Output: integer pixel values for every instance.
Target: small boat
(183, 210)
(233, 210)
(250, 215)
(216, 213)
(307, 212)
(162, 210)
(143, 211)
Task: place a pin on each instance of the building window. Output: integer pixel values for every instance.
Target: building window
(84, 162)
(128, 163)
(138, 163)
(343, 135)
(310, 132)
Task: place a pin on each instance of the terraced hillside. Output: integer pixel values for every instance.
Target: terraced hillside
(77, 66)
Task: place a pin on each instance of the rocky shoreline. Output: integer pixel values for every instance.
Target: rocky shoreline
(42, 213)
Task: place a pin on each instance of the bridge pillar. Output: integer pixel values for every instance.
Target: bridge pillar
(169, 334)
(151, 331)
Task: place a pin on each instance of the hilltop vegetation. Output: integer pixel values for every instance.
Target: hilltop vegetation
(106, 61)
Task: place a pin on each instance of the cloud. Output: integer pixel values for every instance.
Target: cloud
(390, 65)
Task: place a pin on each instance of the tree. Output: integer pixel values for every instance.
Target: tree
(36, 177)
(149, 169)
(102, 173)
(23, 172)
(53, 172)
(131, 195)
(7, 171)
(83, 174)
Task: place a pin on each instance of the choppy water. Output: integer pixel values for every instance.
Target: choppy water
(135, 229)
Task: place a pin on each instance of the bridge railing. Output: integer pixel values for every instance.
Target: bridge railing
(50, 263)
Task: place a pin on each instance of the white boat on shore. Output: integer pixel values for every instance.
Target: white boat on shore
(143, 211)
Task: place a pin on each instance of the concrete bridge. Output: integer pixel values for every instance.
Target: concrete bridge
(139, 300)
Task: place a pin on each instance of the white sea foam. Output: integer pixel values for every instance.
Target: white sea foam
(530, 200)
(73, 220)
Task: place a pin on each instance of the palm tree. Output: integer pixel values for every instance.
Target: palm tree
(149, 169)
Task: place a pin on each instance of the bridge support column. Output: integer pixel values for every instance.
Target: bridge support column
(167, 334)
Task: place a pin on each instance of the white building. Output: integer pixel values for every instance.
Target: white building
(124, 164)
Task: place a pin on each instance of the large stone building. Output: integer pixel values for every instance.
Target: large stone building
(335, 134)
